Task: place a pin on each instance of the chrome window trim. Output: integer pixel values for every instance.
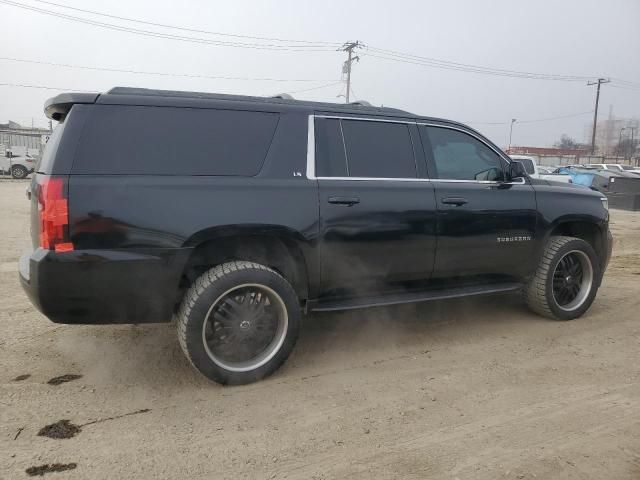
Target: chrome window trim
(339, 117)
(311, 153)
(311, 149)
(385, 179)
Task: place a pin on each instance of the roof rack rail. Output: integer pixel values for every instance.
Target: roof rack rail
(364, 103)
(283, 96)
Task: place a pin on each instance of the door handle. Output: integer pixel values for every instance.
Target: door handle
(457, 201)
(348, 201)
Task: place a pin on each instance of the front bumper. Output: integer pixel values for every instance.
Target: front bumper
(103, 286)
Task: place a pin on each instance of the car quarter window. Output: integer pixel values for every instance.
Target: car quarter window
(459, 156)
(133, 140)
(364, 149)
(331, 160)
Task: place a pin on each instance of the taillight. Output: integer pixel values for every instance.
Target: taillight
(53, 210)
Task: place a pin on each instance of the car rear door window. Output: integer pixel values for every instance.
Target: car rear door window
(174, 141)
(378, 149)
(459, 156)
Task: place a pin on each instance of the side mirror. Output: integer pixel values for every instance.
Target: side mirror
(517, 170)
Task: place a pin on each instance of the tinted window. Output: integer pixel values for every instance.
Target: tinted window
(46, 162)
(330, 157)
(459, 156)
(378, 149)
(174, 141)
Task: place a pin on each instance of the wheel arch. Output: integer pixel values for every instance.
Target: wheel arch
(591, 230)
(276, 247)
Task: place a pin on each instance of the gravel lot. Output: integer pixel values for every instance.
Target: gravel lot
(472, 389)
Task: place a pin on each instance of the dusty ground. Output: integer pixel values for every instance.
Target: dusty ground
(478, 389)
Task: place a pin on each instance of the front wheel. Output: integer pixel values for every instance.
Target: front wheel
(19, 172)
(238, 322)
(566, 280)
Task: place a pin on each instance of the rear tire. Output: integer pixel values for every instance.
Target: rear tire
(238, 322)
(566, 280)
(19, 172)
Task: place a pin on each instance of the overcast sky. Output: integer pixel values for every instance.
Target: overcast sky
(568, 37)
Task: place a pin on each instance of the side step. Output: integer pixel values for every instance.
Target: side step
(330, 305)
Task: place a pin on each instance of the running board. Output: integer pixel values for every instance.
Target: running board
(330, 305)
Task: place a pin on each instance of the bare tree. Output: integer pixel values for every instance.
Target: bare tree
(626, 147)
(568, 143)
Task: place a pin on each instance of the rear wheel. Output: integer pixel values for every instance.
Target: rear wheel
(566, 280)
(238, 322)
(19, 172)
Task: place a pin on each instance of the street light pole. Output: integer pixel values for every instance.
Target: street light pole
(619, 142)
(513, 120)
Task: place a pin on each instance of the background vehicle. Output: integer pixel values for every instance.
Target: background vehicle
(597, 179)
(16, 164)
(279, 207)
(616, 167)
(534, 171)
(631, 169)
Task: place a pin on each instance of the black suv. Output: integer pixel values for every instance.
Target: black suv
(237, 214)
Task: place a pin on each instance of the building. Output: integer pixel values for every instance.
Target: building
(15, 137)
(610, 131)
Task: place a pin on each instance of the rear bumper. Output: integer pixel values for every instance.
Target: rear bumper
(103, 286)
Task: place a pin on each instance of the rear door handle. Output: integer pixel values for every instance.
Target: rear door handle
(457, 201)
(348, 201)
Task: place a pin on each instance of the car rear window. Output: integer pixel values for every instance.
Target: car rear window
(138, 140)
(45, 165)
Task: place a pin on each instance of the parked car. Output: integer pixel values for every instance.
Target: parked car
(19, 166)
(239, 214)
(631, 169)
(596, 179)
(607, 166)
(534, 171)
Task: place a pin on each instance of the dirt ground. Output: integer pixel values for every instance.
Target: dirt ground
(472, 389)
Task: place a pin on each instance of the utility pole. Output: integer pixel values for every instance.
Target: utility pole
(346, 67)
(633, 142)
(599, 82)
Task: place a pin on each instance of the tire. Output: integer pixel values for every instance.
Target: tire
(229, 307)
(19, 172)
(560, 290)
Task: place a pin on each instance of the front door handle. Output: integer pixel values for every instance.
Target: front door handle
(348, 201)
(457, 201)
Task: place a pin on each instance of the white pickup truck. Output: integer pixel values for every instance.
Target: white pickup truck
(18, 162)
(531, 166)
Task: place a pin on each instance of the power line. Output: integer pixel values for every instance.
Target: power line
(443, 64)
(62, 89)
(535, 121)
(396, 56)
(43, 87)
(166, 74)
(167, 36)
(316, 88)
(186, 29)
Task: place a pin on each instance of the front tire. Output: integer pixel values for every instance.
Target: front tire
(19, 172)
(566, 280)
(238, 322)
